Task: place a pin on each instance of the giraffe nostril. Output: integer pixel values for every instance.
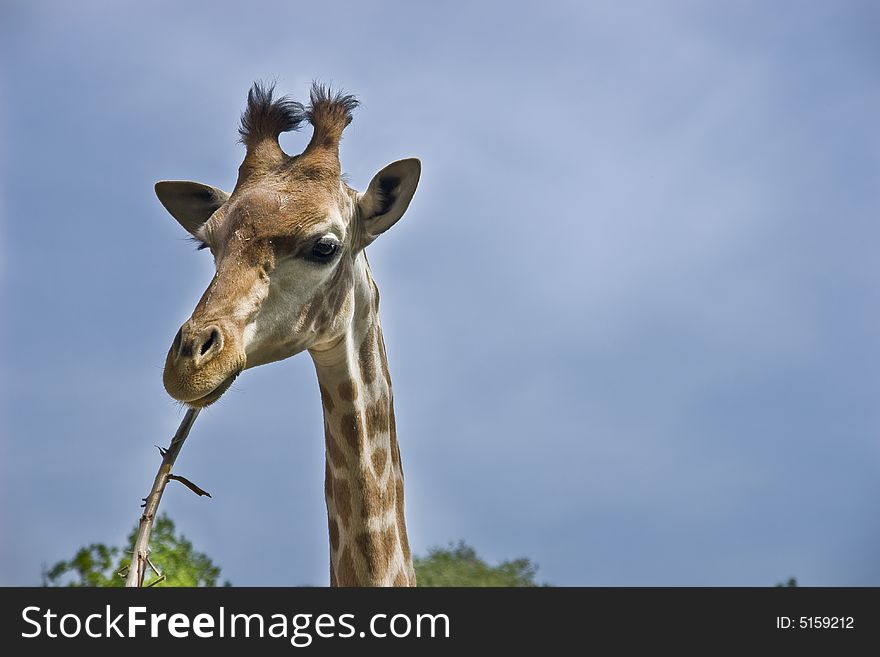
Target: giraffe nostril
(207, 344)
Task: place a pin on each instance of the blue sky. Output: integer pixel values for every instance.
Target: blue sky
(632, 313)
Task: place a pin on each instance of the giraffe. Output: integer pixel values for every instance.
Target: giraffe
(292, 276)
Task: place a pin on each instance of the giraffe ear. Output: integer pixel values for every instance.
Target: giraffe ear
(191, 203)
(388, 197)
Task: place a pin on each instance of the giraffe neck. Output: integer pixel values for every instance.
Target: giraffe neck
(363, 476)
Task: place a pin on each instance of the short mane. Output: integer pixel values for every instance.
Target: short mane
(329, 112)
(266, 118)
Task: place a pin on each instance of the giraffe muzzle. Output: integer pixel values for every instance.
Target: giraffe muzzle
(202, 363)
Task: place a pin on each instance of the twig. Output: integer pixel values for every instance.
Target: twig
(154, 569)
(186, 482)
(138, 567)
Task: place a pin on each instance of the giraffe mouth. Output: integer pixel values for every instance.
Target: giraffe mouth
(216, 393)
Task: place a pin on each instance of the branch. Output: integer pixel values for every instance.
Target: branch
(186, 482)
(139, 560)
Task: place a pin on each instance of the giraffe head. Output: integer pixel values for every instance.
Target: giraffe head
(286, 245)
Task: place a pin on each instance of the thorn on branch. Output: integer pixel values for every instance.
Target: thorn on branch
(162, 450)
(154, 569)
(186, 482)
(155, 581)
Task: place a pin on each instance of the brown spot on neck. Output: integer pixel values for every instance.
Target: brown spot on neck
(383, 360)
(380, 459)
(377, 500)
(392, 431)
(335, 455)
(346, 575)
(377, 417)
(401, 521)
(326, 399)
(342, 500)
(328, 482)
(334, 534)
(377, 549)
(367, 355)
(352, 428)
(348, 391)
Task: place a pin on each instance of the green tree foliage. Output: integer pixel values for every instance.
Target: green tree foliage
(100, 565)
(792, 582)
(459, 565)
(91, 566)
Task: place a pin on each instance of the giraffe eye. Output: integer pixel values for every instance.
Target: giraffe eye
(324, 249)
